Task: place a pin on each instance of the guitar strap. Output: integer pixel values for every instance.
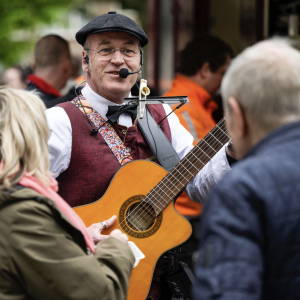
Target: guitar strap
(158, 142)
(108, 133)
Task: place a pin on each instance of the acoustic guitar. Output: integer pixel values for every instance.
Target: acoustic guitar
(141, 194)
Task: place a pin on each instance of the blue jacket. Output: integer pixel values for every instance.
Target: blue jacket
(250, 234)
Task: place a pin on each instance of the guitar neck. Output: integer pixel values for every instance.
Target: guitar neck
(175, 181)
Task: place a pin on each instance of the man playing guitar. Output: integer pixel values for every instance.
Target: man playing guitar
(85, 150)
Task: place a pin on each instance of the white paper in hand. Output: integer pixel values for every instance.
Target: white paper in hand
(138, 254)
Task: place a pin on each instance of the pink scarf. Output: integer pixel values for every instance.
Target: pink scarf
(63, 206)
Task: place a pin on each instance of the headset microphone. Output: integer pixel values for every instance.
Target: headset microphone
(86, 59)
(125, 72)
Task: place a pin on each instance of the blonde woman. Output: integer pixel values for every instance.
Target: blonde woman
(44, 244)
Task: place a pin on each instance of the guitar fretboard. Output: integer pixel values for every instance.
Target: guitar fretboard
(176, 180)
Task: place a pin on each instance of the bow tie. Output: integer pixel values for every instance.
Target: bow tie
(114, 112)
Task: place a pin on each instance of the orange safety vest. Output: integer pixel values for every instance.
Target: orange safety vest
(196, 117)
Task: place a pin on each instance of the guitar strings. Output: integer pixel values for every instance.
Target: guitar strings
(139, 216)
(135, 211)
(184, 177)
(185, 171)
(136, 217)
(166, 194)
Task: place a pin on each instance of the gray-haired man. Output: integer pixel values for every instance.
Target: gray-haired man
(250, 235)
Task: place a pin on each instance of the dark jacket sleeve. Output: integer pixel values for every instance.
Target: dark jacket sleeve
(230, 264)
(50, 265)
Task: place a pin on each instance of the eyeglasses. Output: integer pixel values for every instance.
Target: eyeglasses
(109, 52)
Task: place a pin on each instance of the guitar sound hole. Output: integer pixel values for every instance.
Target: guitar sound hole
(140, 216)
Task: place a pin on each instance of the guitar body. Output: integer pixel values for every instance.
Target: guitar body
(169, 229)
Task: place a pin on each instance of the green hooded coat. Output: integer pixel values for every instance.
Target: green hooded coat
(43, 256)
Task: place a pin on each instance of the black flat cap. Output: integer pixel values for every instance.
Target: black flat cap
(111, 22)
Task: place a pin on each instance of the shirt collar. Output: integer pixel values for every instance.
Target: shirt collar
(277, 136)
(99, 103)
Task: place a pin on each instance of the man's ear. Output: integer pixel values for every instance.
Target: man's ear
(85, 65)
(205, 70)
(238, 117)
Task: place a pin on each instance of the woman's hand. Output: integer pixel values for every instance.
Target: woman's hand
(95, 229)
(118, 234)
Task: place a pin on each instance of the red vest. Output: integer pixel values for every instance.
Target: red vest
(92, 163)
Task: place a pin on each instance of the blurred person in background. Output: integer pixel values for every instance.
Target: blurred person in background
(250, 233)
(15, 77)
(69, 89)
(202, 65)
(52, 68)
(45, 248)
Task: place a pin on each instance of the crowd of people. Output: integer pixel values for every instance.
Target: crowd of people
(60, 152)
